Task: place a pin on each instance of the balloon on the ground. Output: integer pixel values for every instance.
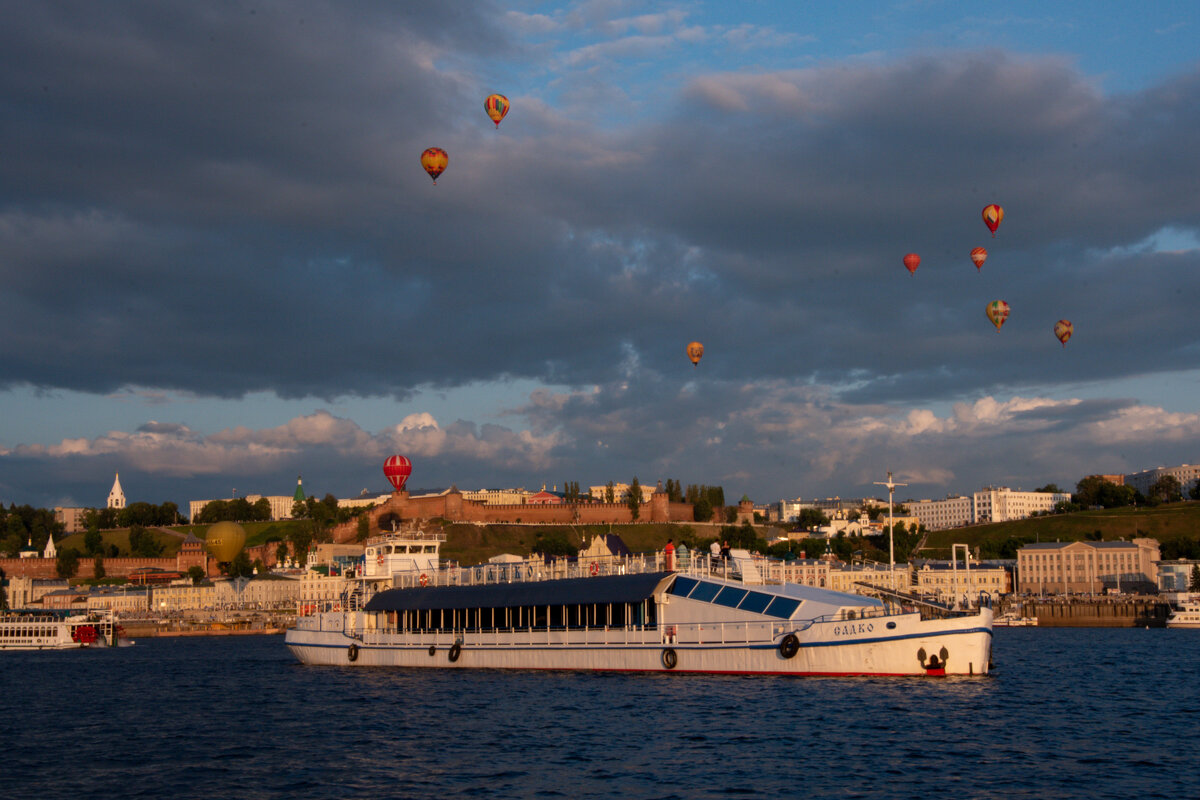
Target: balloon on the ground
(695, 350)
(911, 262)
(397, 469)
(979, 255)
(496, 106)
(997, 312)
(434, 160)
(1063, 330)
(993, 215)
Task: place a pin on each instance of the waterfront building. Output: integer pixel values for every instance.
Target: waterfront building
(950, 581)
(936, 515)
(183, 596)
(1088, 567)
(116, 495)
(807, 571)
(1001, 504)
(270, 591)
(1186, 474)
(27, 592)
(316, 587)
(120, 600)
(844, 577)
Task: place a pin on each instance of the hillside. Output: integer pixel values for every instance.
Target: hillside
(1165, 523)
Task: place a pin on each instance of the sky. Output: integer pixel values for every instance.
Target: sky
(222, 266)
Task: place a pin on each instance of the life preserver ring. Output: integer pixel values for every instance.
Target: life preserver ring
(455, 651)
(379, 558)
(424, 579)
(352, 652)
(669, 658)
(594, 568)
(789, 646)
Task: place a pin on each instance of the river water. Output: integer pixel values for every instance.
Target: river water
(1069, 713)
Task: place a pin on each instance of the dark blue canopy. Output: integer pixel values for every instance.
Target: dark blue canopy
(568, 592)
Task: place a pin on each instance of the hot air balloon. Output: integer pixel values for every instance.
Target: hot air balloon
(1063, 330)
(911, 262)
(997, 312)
(694, 351)
(979, 255)
(434, 160)
(224, 541)
(397, 469)
(496, 106)
(993, 215)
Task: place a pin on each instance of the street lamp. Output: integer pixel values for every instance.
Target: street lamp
(891, 487)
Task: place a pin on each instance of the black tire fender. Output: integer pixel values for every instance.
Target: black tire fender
(352, 652)
(455, 651)
(669, 658)
(789, 646)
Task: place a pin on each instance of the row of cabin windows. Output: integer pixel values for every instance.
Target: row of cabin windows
(735, 597)
(28, 633)
(403, 548)
(572, 617)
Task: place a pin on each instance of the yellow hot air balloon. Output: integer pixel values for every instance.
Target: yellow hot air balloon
(224, 541)
(434, 160)
(695, 350)
(997, 312)
(1063, 330)
(496, 106)
(993, 215)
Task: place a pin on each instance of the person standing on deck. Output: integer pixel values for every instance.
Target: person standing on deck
(669, 555)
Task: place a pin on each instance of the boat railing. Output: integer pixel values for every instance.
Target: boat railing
(764, 633)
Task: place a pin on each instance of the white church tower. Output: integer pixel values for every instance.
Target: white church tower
(116, 498)
(51, 551)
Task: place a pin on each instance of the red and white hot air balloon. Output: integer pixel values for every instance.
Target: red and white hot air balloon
(397, 469)
(979, 255)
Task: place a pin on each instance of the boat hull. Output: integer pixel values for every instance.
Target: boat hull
(956, 646)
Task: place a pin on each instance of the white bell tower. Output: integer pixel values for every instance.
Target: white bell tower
(116, 498)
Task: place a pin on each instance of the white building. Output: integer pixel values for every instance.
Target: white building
(116, 497)
(1186, 474)
(1002, 504)
(953, 512)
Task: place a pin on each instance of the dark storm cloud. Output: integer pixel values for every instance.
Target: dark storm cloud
(219, 201)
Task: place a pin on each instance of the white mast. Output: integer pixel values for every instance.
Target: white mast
(891, 487)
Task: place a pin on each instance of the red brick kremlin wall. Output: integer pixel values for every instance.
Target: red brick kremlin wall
(453, 506)
(113, 567)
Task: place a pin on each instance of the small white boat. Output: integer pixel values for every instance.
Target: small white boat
(34, 630)
(638, 613)
(1188, 616)
(1011, 619)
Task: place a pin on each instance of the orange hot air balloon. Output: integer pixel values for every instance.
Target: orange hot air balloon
(434, 160)
(694, 351)
(1063, 330)
(993, 215)
(496, 106)
(997, 312)
(979, 255)
(911, 262)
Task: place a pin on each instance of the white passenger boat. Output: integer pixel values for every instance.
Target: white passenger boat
(1188, 616)
(642, 613)
(1012, 619)
(25, 630)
